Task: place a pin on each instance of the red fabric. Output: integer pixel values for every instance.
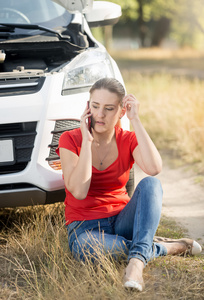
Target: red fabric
(107, 195)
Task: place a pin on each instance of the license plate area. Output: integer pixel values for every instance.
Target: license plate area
(7, 154)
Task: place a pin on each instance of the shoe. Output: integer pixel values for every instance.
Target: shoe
(133, 284)
(192, 246)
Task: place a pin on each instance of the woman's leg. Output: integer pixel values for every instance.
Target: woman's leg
(93, 244)
(90, 239)
(131, 232)
(139, 220)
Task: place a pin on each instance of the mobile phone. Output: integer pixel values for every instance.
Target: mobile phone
(89, 120)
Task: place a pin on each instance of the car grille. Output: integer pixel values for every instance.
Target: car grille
(60, 127)
(20, 86)
(23, 135)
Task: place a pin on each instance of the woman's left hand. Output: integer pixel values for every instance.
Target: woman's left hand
(132, 106)
(145, 154)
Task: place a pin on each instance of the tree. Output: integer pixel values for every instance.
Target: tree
(141, 21)
(182, 19)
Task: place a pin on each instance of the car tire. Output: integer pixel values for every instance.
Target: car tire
(130, 186)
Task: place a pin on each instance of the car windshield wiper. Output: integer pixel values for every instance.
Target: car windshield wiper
(6, 26)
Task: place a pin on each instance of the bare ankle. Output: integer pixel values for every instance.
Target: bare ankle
(134, 270)
(137, 263)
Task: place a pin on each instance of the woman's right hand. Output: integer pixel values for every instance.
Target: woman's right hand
(79, 168)
(86, 135)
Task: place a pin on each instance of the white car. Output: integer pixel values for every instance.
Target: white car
(48, 61)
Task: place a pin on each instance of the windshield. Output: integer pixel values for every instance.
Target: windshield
(41, 12)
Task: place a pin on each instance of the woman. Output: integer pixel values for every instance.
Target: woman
(99, 214)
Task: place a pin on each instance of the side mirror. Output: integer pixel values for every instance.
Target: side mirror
(103, 13)
(75, 6)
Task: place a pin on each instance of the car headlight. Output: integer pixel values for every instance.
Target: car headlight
(86, 69)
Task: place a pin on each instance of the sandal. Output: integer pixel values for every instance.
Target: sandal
(192, 246)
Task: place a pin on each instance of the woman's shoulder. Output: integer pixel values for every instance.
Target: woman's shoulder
(70, 140)
(122, 134)
(71, 137)
(126, 140)
(74, 134)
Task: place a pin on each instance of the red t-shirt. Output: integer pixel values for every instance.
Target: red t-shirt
(107, 194)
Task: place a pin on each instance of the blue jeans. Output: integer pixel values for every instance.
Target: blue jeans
(130, 233)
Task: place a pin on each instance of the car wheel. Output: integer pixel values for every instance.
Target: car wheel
(130, 184)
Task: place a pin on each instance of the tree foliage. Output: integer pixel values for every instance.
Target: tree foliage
(185, 18)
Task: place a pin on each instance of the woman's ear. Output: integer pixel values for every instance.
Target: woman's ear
(123, 112)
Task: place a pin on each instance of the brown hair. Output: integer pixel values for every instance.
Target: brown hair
(110, 84)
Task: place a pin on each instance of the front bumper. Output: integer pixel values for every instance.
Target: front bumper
(26, 196)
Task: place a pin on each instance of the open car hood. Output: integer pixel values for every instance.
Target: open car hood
(74, 6)
(41, 46)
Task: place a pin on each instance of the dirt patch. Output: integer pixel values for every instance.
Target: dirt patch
(183, 199)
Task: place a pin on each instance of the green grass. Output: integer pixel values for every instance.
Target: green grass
(170, 229)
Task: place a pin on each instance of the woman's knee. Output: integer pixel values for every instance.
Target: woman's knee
(151, 184)
(151, 191)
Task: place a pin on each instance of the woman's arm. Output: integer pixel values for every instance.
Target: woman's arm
(77, 170)
(145, 154)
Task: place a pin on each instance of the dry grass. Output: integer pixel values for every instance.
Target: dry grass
(172, 110)
(35, 263)
(160, 58)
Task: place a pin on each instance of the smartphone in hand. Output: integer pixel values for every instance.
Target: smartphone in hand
(89, 120)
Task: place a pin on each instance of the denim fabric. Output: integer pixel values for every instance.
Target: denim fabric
(130, 233)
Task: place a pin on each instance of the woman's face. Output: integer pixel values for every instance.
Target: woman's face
(105, 109)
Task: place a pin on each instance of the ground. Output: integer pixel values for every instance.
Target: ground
(183, 199)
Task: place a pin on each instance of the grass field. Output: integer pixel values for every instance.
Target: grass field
(35, 262)
(161, 59)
